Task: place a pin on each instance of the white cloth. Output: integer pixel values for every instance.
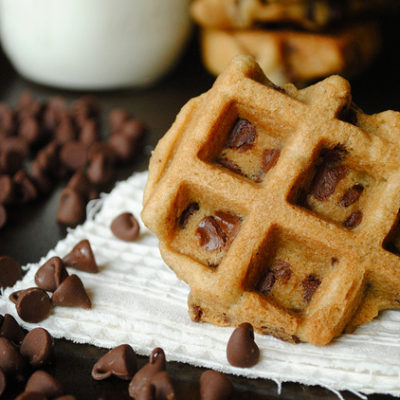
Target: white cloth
(138, 300)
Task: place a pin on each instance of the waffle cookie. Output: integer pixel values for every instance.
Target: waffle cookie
(279, 206)
(308, 14)
(291, 56)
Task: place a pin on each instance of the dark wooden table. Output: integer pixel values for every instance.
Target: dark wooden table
(32, 230)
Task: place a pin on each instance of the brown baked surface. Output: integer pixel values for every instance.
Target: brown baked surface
(279, 234)
(293, 56)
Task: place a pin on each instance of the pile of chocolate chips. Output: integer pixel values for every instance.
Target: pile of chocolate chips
(61, 142)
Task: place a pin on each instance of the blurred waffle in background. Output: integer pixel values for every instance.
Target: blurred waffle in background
(293, 40)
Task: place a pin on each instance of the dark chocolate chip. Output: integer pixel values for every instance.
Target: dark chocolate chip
(242, 135)
(326, 180)
(43, 383)
(120, 362)
(30, 130)
(71, 293)
(100, 170)
(310, 284)
(353, 220)
(228, 164)
(31, 396)
(3, 382)
(37, 346)
(351, 195)
(125, 227)
(11, 330)
(71, 208)
(266, 283)
(74, 155)
(215, 386)
(116, 119)
(123, 146)
(50, 275)
(3, 216)
(81, 183)
(10, 271)
(187, 213)
(282, 270)
(144, 376)
(65, 131)
(242, 351)
(11, 361)
(25, 188)
(33, 305)
(89, 133)
(81, 257)
(6, 189)
(269, 159)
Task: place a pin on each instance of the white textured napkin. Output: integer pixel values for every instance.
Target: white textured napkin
(138, 300)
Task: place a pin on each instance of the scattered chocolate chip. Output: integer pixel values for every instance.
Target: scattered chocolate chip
(41, 178)
(163, 386)
(120, 362)
(123, 146)
(351, 195)
(242, 135)
(3, 382)
(11, 361)
(37, 346)
(3, 216)
(74, 155)
(71, 208)
(187, 213)
(11, 159)
(89, 133)
(25, 188)
(17, 144)
(65, 131)
(147, 392)
(100, 170)
(43, 383)
(31, 396)
(50, 275)
(310, 285)
(326, 180)
(7, 123)
(133, 128)
(47, 158)
(144, 376)
(56, 109)
(228, 164)
(6, 189)
(71, 293)
(81, 183)
(269, 159)
(210, 234)
(81, 257)
(116, 119)
(282, 270)
(242, 351)
(30, 130)
(102, 148)
(33, 305)
(353, 220)
(215, 386)
(10, 271)
(85, 108)
(266, 283)
(11, 330)
(125, 227)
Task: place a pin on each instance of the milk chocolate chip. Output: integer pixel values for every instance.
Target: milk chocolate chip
(163, 386)
(100, 170)
(65, 131)
(11, 361)
(81, 257)
(50, 275)
(242, 135)
(120, 362)
(89, 132)
(33, 305)
(43, 383)
(26, 190)
(74, 155)
(242, 351)
(125, 227)
(71, 207)
(10, 272)
(116, 119)
(71, 293)
(37, 346)
(81, 184)
(11, 330)
(123, 146)
(215, 386)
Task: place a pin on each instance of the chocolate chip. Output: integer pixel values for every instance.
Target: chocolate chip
(65, 131)
(30, 130)
(101, 170)
(47, 158)
(89, 133)
(269, 159)
(11, 159)
(50, 275)
(310, 285)
(25, 188)
(16, 144)
(282, 270)
(3, 216)
(326, 180)
(163, 386)
(210, 234)
(81, 257)
(144, 376)
(215, 386)
(229, 223)
(81, 183)
(71, 293)
(125, 227)
(11, 330)
(116, 119)
(54, 112)
(147, 392)
(7, 123)
(31, 396)
(43, 383)
(228, 164)
(33, 305)
(353, 220)
(242, 351)
(14, 296)
(351, 195)
(11, 361)
(197, 313)
(71, 207)
(120, 362)
(10, 271)
(41, 178)
(37, 346)
(6, 189)
(73, 155)
(242, 135)
(3, 382)
(85, 108)
(266, 283)
(187, 213)
(123, 146)
(133, 128)
(102, 148)
(334, 155)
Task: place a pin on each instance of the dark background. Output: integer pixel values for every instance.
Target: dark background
(32, 230)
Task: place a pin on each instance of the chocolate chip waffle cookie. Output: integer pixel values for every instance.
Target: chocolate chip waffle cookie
(293, 56)
(309, 14)
(279, 206)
